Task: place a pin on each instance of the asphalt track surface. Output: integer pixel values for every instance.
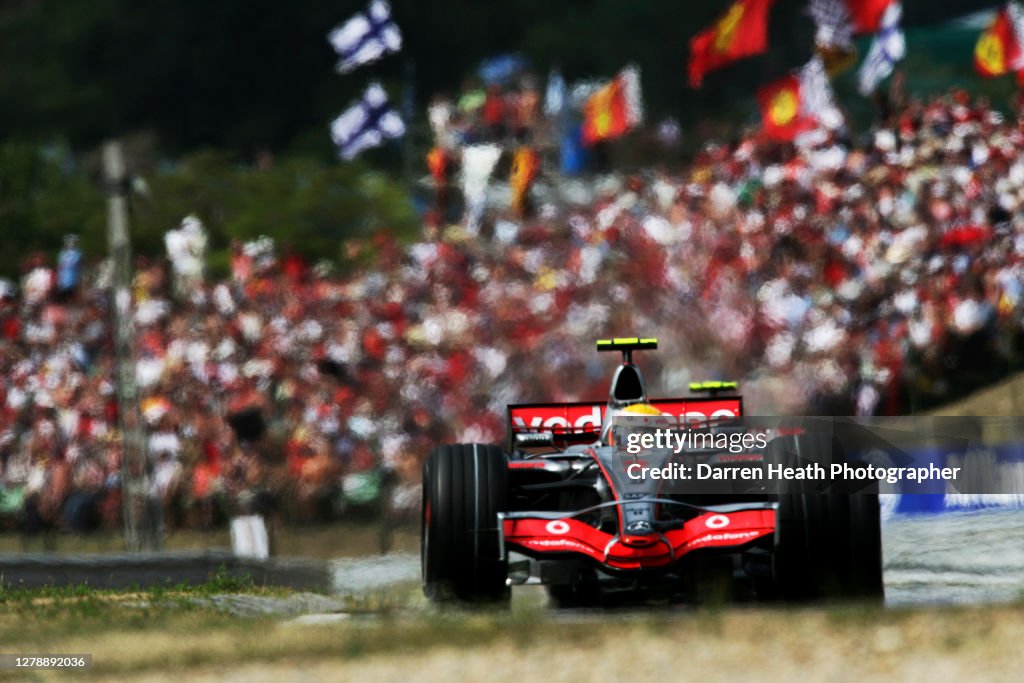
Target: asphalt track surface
(952, 558)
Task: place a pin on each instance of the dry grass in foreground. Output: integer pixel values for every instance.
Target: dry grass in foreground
(328, 541)
(529, 643)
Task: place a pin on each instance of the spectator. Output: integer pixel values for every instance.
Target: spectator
(69, 268)
(186, 250)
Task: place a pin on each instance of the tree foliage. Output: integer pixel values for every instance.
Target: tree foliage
(42, 197)
(297, 201)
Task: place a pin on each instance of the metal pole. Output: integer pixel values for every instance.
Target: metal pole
(134, 479)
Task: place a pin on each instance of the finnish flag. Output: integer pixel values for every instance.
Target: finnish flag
(368, 123)
(889, 47)
(365, 37)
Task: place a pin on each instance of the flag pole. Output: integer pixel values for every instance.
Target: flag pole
(140, 531)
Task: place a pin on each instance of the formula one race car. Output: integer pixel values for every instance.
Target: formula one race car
(553, 507)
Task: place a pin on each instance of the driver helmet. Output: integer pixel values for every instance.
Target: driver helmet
(634, 410)
(639, 409)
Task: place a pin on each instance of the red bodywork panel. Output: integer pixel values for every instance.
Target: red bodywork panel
(710, 530)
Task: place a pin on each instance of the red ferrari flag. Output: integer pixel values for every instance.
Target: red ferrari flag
(613, 110)
(798, 102)
(999, 47)
(781, 109)
(741, 32)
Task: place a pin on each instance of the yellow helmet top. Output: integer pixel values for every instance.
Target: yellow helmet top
(641, 409)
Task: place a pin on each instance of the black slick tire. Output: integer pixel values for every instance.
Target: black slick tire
(465, 486)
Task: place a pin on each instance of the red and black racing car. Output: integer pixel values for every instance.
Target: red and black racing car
(554, 507)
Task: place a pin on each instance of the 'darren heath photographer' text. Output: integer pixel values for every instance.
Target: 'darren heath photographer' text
(811, 471)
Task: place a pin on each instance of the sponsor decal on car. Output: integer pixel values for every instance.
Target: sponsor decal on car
(528, 465)
(716, 522)
(730, 537)
(589, 417)
(557, 527)
(583, 418)
(556, 543)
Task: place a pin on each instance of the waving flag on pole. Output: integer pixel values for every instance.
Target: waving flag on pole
(614, 109)
(833, 28)
(1000, 48)
(370, 122)
(838, 21)
(365, 37)
(525, 167)
(741, 32)
(888, 48)
(798, 103)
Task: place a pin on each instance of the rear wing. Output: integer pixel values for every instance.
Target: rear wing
(627, 345)
(572, 423)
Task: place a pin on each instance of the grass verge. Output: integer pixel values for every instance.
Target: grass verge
(175, 633)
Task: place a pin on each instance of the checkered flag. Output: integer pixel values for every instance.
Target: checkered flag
(816, 92)
(1017, 21)
(833, 24)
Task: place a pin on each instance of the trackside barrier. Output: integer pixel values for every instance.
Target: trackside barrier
(146, 570)
(1001, 466)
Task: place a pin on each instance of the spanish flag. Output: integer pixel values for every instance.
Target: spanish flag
(439, 163)
(998, 50)
(741, 32)
(613, 110)
(525, 167)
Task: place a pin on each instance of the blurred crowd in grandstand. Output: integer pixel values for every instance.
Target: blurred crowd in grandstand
(830, 277)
